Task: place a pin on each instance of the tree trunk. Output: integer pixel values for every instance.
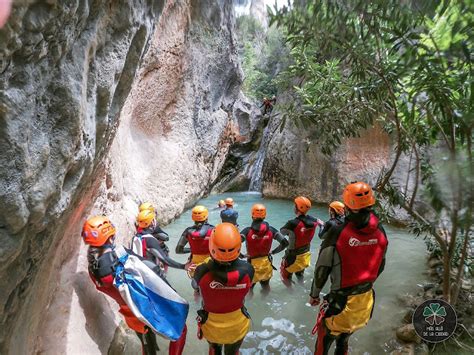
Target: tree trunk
(447, 277)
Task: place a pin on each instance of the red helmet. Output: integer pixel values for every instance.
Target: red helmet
(97, 231)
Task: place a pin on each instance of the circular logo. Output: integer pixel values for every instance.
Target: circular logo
(434, 320)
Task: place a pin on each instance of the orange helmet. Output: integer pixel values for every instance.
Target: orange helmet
(199, 214)
(145, 218)
(259, 211)
(225, 242)
(302, 204)
(358, 195)
(229, 202)
(97, 230)
(146, 206)
(337, 206)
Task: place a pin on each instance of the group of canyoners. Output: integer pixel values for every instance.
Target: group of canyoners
(352, 254)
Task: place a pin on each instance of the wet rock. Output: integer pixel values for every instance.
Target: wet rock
(422, 349)
(407, 318)
(434, 262)
(428, 286)
(407, 334)
(406, 349)
(125, 342)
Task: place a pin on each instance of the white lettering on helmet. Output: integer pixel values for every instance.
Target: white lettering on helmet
(218, 285)
(354, 242)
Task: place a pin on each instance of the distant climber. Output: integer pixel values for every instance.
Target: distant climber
(104, 261)
(259, 237)
(267, 104)
(229, 215)
(198, 238)
(224, 281)
(300, 231)
(221, 204)
(336, 217)
(353, 255)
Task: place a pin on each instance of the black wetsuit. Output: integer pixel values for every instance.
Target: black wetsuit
(333, 222)
(158, 233)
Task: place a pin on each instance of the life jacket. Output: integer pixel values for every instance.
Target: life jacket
(304, 231)
(361, 252)
(223, 289)
(198, 238)
(259, 239)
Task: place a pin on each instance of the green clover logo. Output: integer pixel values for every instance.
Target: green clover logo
(434, 314)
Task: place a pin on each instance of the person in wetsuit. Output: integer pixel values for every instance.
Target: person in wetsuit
(336, 217)
(224, 281)
(229, 215)
(146, 224)
(353, 254)
(300, 231)
(259, 237)
(99, 233)
(197, 236)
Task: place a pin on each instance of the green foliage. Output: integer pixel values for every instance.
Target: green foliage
(263, 54)
(408, 66)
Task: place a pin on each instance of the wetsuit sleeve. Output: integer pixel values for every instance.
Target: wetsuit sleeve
(326, 227)
(160, 234)
(244, 233)
(158, 253)
(323, 266)
(288, 229)
(280, 239)
(183, 240)
(200, 271)
(382, 264)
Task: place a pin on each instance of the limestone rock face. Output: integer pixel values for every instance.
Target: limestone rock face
(66, 68)
(295, 165)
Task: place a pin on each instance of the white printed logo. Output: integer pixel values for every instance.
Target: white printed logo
(354, 242)
(218, 285)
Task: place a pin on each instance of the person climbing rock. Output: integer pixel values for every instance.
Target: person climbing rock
(99, 233)
(336, 217)
(224, 281)
(259, 237)
(353, 254)
(197, 236)
(229, 215)
(300, 231)
(146, 224)
(267, 105)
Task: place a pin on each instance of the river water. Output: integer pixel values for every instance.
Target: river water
(282, 320)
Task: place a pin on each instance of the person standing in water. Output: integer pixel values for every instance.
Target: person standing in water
(224, 281)
(221, 205)
(99, 233)
(197, 236)
(336, 217)
(229, 215)
(259, 237)
(146, 224)
(300, 231)
(353, 254)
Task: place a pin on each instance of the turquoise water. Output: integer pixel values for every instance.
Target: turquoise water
(282, 320)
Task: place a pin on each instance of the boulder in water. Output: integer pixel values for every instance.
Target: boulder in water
(407, 334)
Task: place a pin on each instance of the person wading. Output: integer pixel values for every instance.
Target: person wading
(336, 217)
(197, 236)
(99, 233)
(300, 231)
(229, 215)
(224, 281)
(353, 254)
(259, 237)
(146, 224)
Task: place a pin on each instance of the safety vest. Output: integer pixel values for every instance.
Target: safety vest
(227, 296)
(304, 234)
(199, 240)
(259, 242)
(361, 252)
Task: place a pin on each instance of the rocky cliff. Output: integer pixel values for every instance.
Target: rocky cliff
(162, 78)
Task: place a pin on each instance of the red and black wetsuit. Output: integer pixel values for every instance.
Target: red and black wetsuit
(353, 254)
(160, 235)
(198, 238)
(101, 270)
(224, 319)
(300, 232)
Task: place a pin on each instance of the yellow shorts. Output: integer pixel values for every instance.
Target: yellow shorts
(355, 315)
(263, 269)
(302, 262)
(225, 328)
